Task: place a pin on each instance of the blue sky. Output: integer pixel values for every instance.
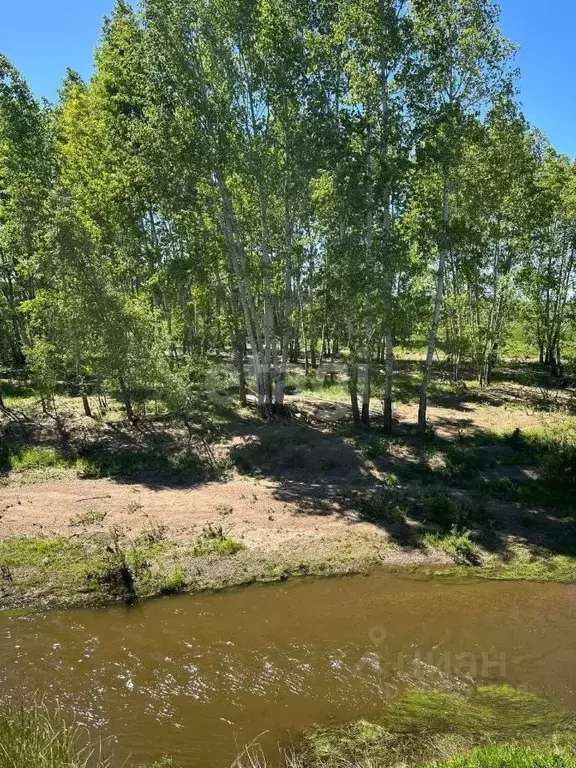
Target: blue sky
(43, 37)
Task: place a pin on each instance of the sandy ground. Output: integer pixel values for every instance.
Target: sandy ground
(247, 510)
(302, 510)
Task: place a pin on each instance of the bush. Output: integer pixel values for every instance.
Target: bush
(445, 512)
(553, 450)
(382, 506)
(173, 583)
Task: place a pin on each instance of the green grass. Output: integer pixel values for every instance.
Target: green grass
(174, 582)
(36, 457)
(531, 567)
(59, 558)
(458, 544)
(512, 757)
(89, 517)
(34, 737)
(490, 727)
(435, 728)
(383, 506)
(552, 448)
(214, 541)
(59, 571)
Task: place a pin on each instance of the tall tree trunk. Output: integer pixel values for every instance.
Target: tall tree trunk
(353, 375)
(237, 259)
(433, 338)
(366, 387)
(126, 398)
(86, 405)
(386, 222)
(240, 352)
(269, 351)
(389, 356)
(367, 374)
(353, 388)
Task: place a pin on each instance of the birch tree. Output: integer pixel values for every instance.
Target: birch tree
(461, 65)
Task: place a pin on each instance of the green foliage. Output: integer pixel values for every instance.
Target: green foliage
(35, 737)
(445, 511)
(513, 757)
(173, 583)
(554, 449)
(36, 458)
(291, 195)
(422, 726)
(214, 540)
(458, 543)
(382, 506)
(89, 517)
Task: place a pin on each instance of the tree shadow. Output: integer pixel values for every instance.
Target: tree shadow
(504, 490)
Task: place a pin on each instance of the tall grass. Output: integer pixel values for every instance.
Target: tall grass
(553, 448)
(35, 737)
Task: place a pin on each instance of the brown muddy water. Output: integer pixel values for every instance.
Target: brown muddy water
(200, 676)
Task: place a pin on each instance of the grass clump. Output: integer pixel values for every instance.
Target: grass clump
(445, 512)
(531, 567)
(457, 543)
(36, 738)
(89, 517)
(174, 582)
(57, 556)
(215, 541)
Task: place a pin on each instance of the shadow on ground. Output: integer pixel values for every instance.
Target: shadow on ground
(492, 491)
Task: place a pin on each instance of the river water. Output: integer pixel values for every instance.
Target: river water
(200, 676)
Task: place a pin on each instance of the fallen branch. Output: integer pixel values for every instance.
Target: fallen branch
(93, 498)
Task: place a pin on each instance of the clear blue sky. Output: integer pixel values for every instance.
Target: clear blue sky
(43, 37)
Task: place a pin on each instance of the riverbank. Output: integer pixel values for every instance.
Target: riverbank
(95, 542)
(59, 572)
(92, 559)
(488, 727)
(99, 510)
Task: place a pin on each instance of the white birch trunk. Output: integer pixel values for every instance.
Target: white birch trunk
(433, 338)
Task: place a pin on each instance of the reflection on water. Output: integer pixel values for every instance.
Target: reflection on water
(199, 676)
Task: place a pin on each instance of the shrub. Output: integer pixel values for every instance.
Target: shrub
(382, 506)
(445, 512)
(553, 449)
(87, 469)
(214, 540)
(376, 447)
